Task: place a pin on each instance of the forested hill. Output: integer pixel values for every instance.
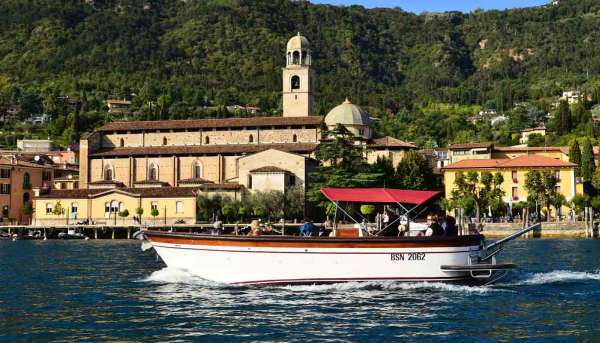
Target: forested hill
(423, 74)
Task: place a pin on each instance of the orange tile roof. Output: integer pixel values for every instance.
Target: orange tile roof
(519, 162)
(390, 142)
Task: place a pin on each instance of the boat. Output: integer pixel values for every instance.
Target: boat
(344, 256)
(72, 234)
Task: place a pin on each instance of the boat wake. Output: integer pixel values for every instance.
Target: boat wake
(395, 285)
(557, 276)
(178, 276)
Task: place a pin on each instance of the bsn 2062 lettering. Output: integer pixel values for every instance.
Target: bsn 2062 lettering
(409, 256)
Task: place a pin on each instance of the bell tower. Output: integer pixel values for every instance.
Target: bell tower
(298, 79)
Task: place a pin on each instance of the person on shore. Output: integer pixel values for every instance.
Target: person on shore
(433, 227)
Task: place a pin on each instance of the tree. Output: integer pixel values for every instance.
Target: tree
(139, 211)
(414, 172)
(124, 214)
(563, 120)
(59, 210)
(294, 202)
(154, 213)
(541, 189)
(587, 161)
(473, 191)
(575, 157)
(341, 164)
(367, 210)
(27, 209)
(536, 139)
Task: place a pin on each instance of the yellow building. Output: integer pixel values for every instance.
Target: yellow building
(171, 161)
(514, 172)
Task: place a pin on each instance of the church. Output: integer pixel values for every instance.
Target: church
(161, 166)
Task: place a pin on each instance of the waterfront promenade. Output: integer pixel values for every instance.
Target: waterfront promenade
(551, 229)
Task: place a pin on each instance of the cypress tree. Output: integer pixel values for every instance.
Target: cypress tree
(587, 161)
(564, 118)
(575, 156)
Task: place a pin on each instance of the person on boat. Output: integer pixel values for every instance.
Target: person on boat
(307, 228)
(217, 227)
(254, 228)
(268, 230)
(433, 227)
(449, 226)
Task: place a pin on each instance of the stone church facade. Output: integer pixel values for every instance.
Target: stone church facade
(164, 165)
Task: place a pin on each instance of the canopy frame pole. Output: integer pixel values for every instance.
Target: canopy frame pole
(335, 215)
(346, 213)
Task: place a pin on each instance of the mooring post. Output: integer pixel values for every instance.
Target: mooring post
(113, 233)
(128, 233)
(45, 234)
(95, 233)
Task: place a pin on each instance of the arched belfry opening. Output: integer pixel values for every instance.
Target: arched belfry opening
(295, 82)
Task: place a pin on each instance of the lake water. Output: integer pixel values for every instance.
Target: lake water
(112, 291)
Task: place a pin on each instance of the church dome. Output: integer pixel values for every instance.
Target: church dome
(347, 114)
(298, 42)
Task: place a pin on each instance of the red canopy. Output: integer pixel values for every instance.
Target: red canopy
(379, 195)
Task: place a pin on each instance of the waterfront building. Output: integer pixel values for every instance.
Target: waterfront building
(164, 165)
(19, 180)
(514, 171)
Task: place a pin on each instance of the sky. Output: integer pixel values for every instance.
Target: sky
(418, 6)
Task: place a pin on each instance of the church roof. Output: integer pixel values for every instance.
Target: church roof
(205, 149)
(390, 142)
(160, 192)
(269, 169)
(346, 114)
(210, 123)
(526, 161)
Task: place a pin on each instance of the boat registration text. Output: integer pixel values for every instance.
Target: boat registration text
(411, 256)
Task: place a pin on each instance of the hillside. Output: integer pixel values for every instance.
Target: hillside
(175, 57)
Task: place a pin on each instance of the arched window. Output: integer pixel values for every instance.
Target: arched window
(26, 181)
(164, 140)
(296, 57)
(153, 172)
(197, 170)
(295, 83)
(206, 140)
(294, 138)
(250, 139)
(108, 173)
(26, 197)
(121, 142)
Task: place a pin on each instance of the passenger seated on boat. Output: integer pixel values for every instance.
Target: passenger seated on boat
(268, 230)
(254, 228)
(307, 228)
(449, 226)
(433, 228)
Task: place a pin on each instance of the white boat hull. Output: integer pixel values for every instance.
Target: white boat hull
(236, 262)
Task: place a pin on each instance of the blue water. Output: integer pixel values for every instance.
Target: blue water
(111, 291)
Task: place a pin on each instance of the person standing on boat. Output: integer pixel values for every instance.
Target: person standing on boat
(217, 227)
(433, 227)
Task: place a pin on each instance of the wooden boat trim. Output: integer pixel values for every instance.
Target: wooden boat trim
(311, 242)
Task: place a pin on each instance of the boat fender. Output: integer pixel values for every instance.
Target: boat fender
(146, 245)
